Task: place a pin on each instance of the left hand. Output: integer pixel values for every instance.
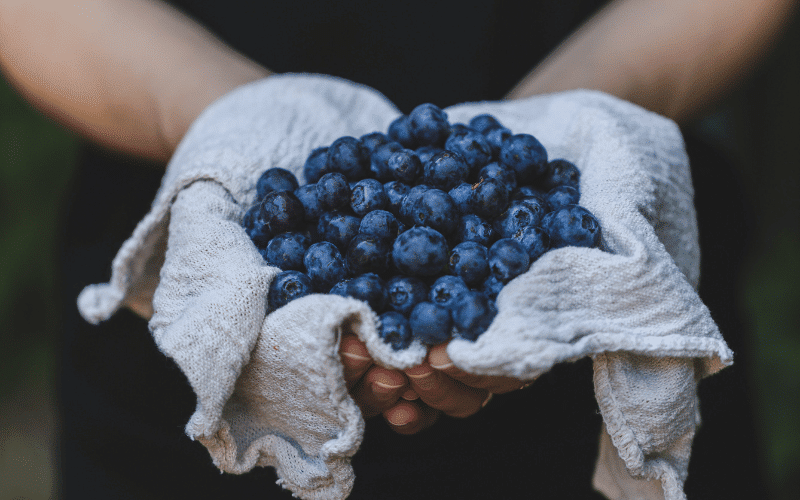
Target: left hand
(412, 400)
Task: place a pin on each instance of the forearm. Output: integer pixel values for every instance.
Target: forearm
(130, 74)
(674, 57)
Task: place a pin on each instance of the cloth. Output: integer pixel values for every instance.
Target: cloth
(631, 301)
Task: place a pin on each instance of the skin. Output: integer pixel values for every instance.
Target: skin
(124, 73)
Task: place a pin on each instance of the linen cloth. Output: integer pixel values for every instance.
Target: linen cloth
(270, 387)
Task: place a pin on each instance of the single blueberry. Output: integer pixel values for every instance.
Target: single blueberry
(484, 122)
(462, 197)
(491, 287)
(472, 146)
(406, 214)
(500, 173)
(379, 160)
(275, 179)
(535, 240)
(472, 314)
(495, 137)
(255, 228)
(373, 141)
(405, 166)
(286, 287)
(573, 226)
(508, 259)
(435, 209)
(516, 217)
(538, 205)
(561, 196)
(312, 208)
(367, 254)
(525, 155)
(371, 289)
(420, 251)
(395, 192)
(400, 131)
(395, 330)
(347, 156)
(338, 228)
(473, 228)
(446, 291)
(561, 172)
(333, 191)
(340, 288)
(425, 153)
(281, 211)
(316, 165)
(405, 292)
(429, 125)
(286, 251)
(470, 262)
(445, 170)
(430, 323)
(325, 265)
(379, 224)
(489, 198)
(368, 195)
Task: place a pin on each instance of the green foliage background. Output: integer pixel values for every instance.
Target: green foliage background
(758, 126)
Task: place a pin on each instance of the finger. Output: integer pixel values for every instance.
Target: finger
(355, 359)
(410, 417)
(379, 390)
(441, 392)
(410, 395)
(438, 359)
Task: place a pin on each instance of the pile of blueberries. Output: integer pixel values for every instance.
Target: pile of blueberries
(425, 223)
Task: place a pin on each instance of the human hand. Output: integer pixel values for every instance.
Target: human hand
(412, 400)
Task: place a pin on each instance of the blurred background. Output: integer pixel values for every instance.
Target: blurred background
(757, 129)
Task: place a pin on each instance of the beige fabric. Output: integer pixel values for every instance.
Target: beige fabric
(270, 388)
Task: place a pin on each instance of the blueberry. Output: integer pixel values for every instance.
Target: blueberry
(491, 287)
(280, 212)
(561, 172)
(429, 125)
(316, 165)
(502, 174)
(405, 166)
(371, 289)
(425, 153)
(431, 324)
(405, 292)
(400, 131)
(286, 251)
(472, 314)
(379, 224)
(435, 209)
(561, 196)
(534, 240)
(420, 251)
(395, 330)
(324, 265)
(462, 197)
(459, 129)
(525, 155)
(312, 208)
(489, 198)
(366, 196)
(287, 286)
(573, 226)
(447, 290)
(516, 217)
(474, 228)
(338, 228)
(255, 228)
(537, 204)
(406, 214)
(395, 192)
(526, 191)
(373, 141)
(340, 288)
(472, 146)
(445, 170)
(507, 259)
(333, 191)
(275, 179)
(347, 156)
(379, 160)
(495, 137)
(367, 254)
(484, 122)
(470, 262)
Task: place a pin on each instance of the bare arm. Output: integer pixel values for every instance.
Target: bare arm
(675, 57)
(130, 74)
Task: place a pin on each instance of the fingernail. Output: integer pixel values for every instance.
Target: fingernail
(399, 416)
(439, 359)
(410, 395)
(355, 357)
(419, 371)
(383, 388)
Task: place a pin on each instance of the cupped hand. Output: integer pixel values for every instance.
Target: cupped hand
(412, 400)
